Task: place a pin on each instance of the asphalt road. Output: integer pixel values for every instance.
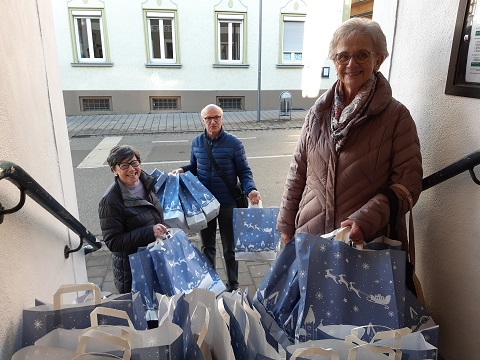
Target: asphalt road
(269, 153)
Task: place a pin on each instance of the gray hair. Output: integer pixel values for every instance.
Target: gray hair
(121, 152)
(359, 26)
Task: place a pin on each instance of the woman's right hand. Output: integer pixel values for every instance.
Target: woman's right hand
(159, 231)
(286, 238)
(177, 171)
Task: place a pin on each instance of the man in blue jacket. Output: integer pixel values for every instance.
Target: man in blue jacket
(229, 153)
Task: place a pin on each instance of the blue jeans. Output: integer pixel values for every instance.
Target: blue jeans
(208, 237)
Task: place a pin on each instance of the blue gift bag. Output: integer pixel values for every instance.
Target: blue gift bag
(43, 318)
(161, 178)
(172, 209)
(194, 215)
(208, 202)
(254, 233)
(343, 285)
(181, 317)
(144, 280)
(181, 267)
(279, 292)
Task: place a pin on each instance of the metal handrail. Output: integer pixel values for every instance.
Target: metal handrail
(27, 185)
(466, 163)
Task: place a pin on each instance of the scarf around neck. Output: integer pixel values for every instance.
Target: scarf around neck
(345, 117)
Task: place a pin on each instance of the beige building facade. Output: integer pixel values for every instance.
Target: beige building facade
(34, 135)
(152, 56)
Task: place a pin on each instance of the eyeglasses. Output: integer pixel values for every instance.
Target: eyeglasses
(126, 166)
(215, 118)
(360, 57)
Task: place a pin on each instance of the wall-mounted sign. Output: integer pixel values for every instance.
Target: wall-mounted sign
(464, 70)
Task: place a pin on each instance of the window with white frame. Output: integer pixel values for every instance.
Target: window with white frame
(230, 38)
(161, 36)
(89, 37)
(292, 46)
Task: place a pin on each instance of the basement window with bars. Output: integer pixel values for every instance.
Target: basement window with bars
(231, 103)
(96, 104)
(164, 103)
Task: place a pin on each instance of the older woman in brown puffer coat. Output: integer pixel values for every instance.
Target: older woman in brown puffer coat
(356, 141)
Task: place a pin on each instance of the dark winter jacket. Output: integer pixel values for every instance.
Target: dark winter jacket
(229, 154)
(127, 224)
(324, 188)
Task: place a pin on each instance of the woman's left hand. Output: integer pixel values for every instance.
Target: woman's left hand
(159, 231)
(356, 234)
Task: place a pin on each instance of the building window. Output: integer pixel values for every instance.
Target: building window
(292, 44)
(231, 103)
(161, 36)
(95, 103)
(230, 38)
(89, 35)
(164, 103)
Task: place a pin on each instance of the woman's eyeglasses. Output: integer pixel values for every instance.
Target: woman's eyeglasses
(125, 166)
(360, 57)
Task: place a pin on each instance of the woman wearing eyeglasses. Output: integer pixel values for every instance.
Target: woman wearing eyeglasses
(356, 141)
(130, 213)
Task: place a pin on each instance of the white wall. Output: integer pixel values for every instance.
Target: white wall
(34, 136)
(447, 215)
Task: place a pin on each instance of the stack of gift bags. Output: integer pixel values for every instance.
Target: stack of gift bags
(191, 326)
(171, 266)
(321, 290)
(187, 203)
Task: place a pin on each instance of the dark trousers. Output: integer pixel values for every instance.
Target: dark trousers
(208, 237)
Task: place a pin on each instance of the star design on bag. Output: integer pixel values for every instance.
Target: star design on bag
(37, 324)
(151, 341)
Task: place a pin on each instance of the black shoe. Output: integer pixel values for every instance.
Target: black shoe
(231, 288)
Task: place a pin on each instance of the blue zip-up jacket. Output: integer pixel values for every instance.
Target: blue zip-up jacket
(229, 154)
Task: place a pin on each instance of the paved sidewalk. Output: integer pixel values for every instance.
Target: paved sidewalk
(99, 263)
(128, 124)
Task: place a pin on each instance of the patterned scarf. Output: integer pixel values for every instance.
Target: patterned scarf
(345, 117)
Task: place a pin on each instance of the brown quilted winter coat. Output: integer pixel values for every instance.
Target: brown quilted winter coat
(324, 188)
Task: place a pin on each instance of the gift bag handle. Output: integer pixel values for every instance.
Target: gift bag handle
(226, 317)
(315, 351)
(411, 233)
(69, 288)
(169, 302)
(109, 312)
(392, 354)
(258, 205)
(106, 337)
(206, 322)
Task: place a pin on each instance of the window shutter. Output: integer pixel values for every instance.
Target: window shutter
(293, 36)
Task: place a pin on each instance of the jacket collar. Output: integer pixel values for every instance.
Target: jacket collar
(380, 100)
(129, 199)
(220, 135)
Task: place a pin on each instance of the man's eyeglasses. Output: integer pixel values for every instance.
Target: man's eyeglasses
(126, 166)
(210, 119)
(360, 57)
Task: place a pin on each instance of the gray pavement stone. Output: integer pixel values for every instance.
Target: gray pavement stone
(128, 124)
